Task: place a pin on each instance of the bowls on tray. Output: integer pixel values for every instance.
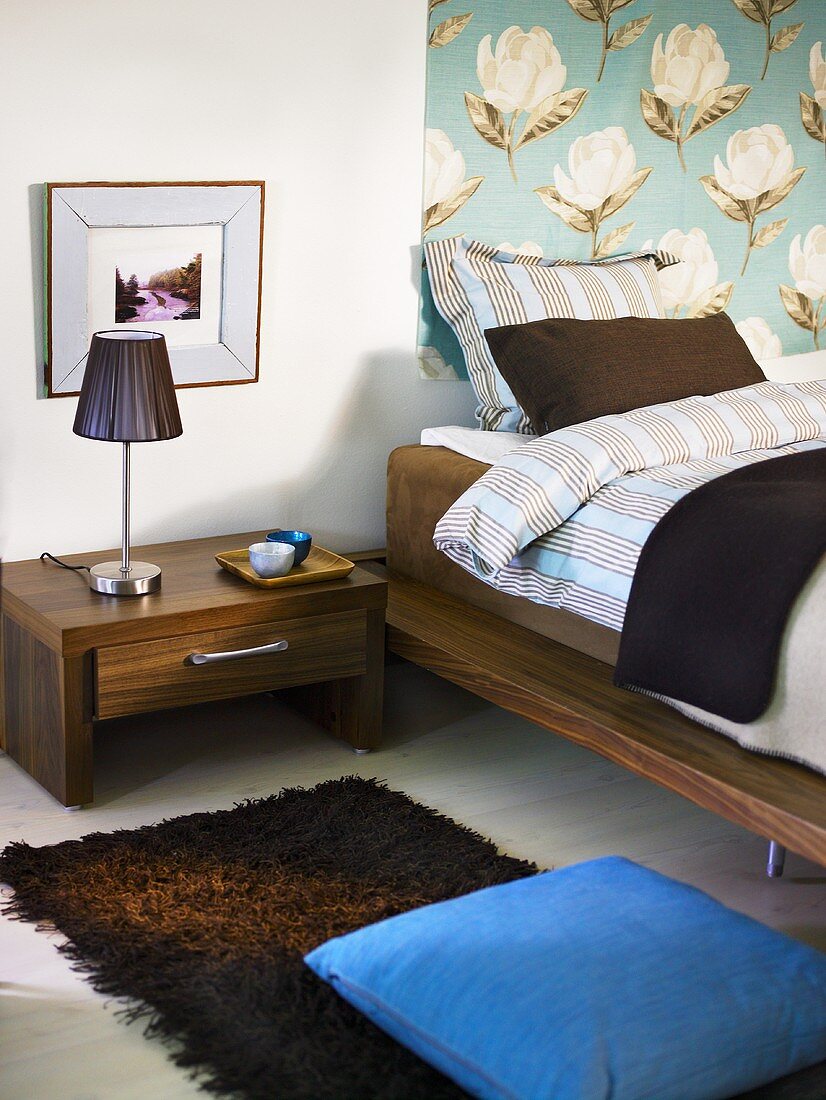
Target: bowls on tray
(271, 559)
(301, 541)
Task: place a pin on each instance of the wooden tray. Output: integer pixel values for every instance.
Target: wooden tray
(319, 565)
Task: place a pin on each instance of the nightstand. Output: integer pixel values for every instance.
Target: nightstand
(72, 656)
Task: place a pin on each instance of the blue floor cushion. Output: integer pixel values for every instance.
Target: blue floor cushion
(602, 980)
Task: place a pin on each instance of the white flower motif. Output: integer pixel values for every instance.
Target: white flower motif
(600, 164)
(527, 248)
(525, 69)
(692, 64)
(759, 159)
(695, 275)
(444, 168)
(432, 364)
(817, 72)
(807, 264)
(759, 338)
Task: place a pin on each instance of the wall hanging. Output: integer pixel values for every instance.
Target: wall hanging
(183, 259)
(587, 128)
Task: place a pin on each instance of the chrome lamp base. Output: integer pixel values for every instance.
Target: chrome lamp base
(112, 579)
(125, 577)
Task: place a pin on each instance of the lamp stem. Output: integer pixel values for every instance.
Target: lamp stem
(125, 567)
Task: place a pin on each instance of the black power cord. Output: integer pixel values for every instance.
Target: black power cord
(62, 564)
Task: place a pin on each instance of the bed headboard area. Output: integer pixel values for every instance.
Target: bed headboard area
(589, 128)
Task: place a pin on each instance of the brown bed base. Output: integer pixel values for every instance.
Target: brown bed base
(571, 694)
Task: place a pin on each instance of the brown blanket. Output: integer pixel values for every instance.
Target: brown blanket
(716, 582)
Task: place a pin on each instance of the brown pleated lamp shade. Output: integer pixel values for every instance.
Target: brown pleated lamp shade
(127, 394)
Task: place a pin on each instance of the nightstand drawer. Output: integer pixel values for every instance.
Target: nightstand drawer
(221, 664)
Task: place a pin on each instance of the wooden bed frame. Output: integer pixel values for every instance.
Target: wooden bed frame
(572, 694)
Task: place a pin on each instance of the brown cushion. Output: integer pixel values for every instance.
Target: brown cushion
(565, 372)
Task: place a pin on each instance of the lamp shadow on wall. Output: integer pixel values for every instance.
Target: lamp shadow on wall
(339, 495)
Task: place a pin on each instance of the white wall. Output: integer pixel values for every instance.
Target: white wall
(323, 101)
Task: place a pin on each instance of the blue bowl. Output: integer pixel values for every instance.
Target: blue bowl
(300, 540)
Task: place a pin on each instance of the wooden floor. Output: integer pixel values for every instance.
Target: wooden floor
(537, 795)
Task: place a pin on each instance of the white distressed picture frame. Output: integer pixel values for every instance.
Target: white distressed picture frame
(73, 209)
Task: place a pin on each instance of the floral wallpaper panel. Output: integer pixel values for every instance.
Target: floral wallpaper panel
(587, 128)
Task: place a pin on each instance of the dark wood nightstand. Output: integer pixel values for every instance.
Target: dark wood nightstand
(71, 656)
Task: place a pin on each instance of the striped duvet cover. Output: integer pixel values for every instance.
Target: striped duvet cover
(562, 520)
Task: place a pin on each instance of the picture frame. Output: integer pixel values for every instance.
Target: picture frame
(182, 258)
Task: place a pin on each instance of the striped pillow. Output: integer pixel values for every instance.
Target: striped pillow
(476, 287)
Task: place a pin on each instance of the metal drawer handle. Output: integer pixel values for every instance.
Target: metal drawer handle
(234, 654)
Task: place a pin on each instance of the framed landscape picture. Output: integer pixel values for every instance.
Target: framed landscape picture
(183, 259)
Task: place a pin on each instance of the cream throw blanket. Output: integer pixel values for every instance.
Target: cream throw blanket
(794, 725)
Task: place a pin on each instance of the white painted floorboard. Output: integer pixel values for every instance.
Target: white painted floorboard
(536, 795)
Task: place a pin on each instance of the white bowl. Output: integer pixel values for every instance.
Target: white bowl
(271, 559)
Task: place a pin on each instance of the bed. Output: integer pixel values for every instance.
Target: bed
(555, 667)
(515, 570)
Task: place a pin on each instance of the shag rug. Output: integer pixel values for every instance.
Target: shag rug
(201, 924)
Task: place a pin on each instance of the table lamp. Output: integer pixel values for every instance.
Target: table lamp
(127, 396)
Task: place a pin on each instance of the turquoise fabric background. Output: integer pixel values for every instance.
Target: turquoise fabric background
(476, 194)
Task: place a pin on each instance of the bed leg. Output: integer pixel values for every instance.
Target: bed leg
(777, 858)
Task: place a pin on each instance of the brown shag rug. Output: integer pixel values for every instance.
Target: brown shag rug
(200, 925)
(202, 922)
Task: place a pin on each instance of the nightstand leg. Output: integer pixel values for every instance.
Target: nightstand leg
(350, 708)
(48, 714)
(362, 697)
